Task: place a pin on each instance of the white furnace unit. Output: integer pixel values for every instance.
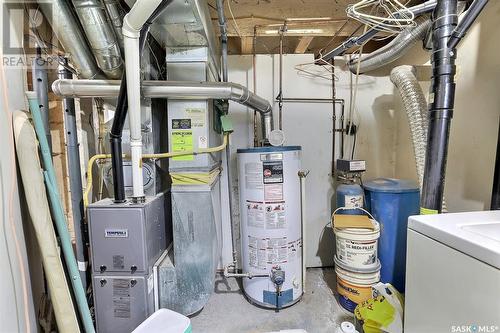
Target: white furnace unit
(271, 237)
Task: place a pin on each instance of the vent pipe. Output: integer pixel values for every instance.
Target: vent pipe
(442, 98)
(121, 114)
(100, 34)
(398, 47)
(417, 10)
(69, 33)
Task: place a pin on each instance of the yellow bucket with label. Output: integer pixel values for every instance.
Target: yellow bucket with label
(355, 287)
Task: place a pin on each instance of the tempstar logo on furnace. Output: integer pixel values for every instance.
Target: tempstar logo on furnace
(116, 233)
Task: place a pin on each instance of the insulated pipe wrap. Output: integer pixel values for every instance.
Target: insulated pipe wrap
(415, 107)
(395, 49)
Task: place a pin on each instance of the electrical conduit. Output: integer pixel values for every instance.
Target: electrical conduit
(36, 198)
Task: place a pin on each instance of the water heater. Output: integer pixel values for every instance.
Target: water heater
(271, 237)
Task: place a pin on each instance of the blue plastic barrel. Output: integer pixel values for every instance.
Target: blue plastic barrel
(350, 196)
(391, 202)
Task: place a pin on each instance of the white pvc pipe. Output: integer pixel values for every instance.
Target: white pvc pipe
(302, 176)
(132, 24)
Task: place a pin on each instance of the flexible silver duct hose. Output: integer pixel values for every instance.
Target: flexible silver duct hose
(101, 36)
(65, 26)
(395, 49)
(415, 107)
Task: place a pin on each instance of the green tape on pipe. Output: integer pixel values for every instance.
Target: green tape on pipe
(59, 217)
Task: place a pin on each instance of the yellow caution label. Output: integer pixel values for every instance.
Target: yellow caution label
(427, 211)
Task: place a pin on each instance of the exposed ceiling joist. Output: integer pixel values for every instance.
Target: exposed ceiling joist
(303, 44)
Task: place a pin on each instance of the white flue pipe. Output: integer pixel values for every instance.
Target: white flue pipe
(132, 25)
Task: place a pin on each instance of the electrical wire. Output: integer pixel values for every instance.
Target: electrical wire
(97, 157)
(236, 27)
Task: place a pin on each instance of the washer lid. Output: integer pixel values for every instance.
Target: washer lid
(391, 185)
(476, 234)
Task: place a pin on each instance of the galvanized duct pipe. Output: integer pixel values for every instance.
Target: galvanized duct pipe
(417, 10)
(466, 22)
(116, 14)
(398, 47)
(223, 36)
(415, 107)
(69, 33)
(100, 34)
(170, 89)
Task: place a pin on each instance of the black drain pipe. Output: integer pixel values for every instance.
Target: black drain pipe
(442, 98)
(495, 193)
(466, 22)
(121, 114)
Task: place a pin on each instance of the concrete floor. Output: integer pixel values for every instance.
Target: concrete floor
(229, 311)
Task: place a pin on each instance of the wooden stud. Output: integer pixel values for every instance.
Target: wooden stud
(304, 43)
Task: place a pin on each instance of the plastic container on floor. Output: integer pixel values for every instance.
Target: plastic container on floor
(165, 321)
(391, 202)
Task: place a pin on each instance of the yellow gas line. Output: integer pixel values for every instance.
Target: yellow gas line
(94, 158)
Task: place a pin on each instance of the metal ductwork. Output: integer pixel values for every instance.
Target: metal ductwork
(398, 47)
(69, 33)
(170, 89)
(101, 36)
(116, 14)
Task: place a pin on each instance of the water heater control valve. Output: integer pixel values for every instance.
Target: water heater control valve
(277, 276)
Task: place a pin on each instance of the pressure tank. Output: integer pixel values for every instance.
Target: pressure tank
(271, 236)
(350, 196)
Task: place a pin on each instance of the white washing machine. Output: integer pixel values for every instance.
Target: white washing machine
(453, 273)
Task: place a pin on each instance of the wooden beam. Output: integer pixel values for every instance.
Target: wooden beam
(304, 43)
(246, 45)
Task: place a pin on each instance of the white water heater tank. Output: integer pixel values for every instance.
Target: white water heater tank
(270, 211)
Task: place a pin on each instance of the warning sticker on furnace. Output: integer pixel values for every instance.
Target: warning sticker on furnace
(272, 172)
(197, 116)
(255, 214)
(182, 141)
(275, 216)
